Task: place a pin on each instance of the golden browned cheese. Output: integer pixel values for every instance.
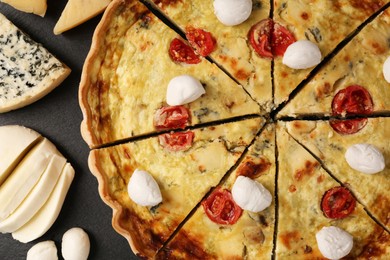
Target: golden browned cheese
(251, 237)
(326, 23)
(127, 72)
(302, 183)
(184, 177)
(233, 51)
(330, 147)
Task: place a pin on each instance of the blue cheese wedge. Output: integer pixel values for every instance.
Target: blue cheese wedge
(27, 70)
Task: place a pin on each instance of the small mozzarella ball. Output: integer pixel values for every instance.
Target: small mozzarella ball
(386, 69)
(183, 90)
(333, 242)
(302, 54)
(251, 195)
(232, 12)
(46, 250)
(143, 189)
(75, 244)
(365, 158)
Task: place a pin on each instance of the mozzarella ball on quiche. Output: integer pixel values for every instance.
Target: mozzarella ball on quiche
(334, 242)
(75, 244)
(251, 195)
(232, 12)
(184, 89)
(302, 54)
(143, 189)
(386, 69)
(365, 158)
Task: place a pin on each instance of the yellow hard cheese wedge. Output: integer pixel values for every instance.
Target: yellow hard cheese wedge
(77, 12)
(37, 197)
(25, 176)
(15, 142)
(29, 6)
(45, 217)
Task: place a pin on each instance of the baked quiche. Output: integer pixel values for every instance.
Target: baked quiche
(221, 229)
(123, 91)
(183, 171)
(310, 199)
(354, 75)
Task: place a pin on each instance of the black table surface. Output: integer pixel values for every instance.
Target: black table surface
(57, 116)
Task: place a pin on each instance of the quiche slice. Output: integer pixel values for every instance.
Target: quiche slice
(309, 199)
(232, 49)
(372, 190)
(244, 234)
(184, 172)
(324, 23)
(355, 71)
(125, 78)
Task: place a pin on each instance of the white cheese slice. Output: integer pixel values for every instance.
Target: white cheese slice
(77, 12)
(27, 70)
(15, 142)
(15, 189)
(36, 198)
(29, 6)
(46, 216)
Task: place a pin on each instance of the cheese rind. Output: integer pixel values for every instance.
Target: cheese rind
(77, 12)
(37, 7)
(46, 216)
(37, 197)
(27, 70)
(22, 140)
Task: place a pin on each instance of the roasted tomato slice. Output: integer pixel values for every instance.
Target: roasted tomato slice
(338, 203)
(270, 39)
(179, 51)
(175, 142)
(203, 42)
(352, 100)
(348, 126)
(171, 117)
(221, 208)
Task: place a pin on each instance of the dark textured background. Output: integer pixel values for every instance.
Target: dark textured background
(57, 117)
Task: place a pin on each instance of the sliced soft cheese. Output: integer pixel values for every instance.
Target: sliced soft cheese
(15, 142)
(77, 12)
(18, 185)
(27, 70)
(37, 197)
(29, 6)
(45, 217)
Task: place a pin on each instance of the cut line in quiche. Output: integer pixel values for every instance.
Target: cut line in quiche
(324, 23)
(357, 71)
(184, 175)
(28, 71)
(251, 235)
(125, 78)
(330, 147)
(303, 186)
(232, 50)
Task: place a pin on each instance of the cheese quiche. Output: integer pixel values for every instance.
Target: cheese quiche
(232, 49)
(356, 71)
(325, 23)
(309, 199)
(184, 174)
(244, 234)
(125, 78)
(330, 146)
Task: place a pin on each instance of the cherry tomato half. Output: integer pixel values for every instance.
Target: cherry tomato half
(353, 99)
(338, 203)
(171, 117)
(203, 42)
(348, 126)
(221, 208)
(270, 39)
(175, 142)
(179, 51)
